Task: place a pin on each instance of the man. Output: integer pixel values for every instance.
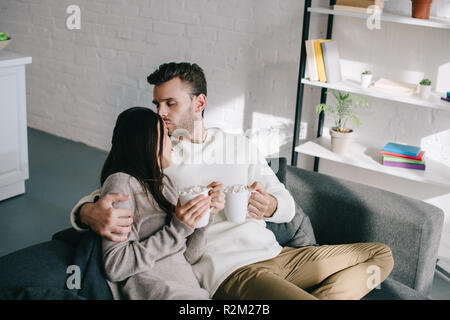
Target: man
(242, 260)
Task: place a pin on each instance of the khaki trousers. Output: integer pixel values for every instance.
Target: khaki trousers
(329, 272)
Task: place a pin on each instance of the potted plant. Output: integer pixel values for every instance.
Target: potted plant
(344, 110)
(366, 79)
(4, 40)
(425, 88)
(421, 9)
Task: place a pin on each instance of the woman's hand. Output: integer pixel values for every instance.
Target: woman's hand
(217, 196)
(193, 210)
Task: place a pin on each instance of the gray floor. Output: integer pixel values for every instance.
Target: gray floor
(61, 172)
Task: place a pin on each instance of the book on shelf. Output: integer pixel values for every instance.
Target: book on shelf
(361, 3)
(399, 155)
(395, 87)
(402, 149)
(319, 59)
(353, 9)
(332, 61)
(401, 159)
(311, 61)
(323, 60)
(404, 165)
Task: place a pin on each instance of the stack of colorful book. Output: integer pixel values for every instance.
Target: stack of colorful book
(404, 156)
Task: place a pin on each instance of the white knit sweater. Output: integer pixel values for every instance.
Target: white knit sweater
(229, 159)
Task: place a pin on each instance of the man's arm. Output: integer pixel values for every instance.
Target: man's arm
(102, 217)
(75, 218)
(274, 196)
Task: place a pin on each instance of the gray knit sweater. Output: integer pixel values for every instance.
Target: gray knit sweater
(155, 262)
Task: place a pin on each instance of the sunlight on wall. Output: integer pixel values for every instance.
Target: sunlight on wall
(229, 116)
(269, 133)
(437, 147)
(443, 78)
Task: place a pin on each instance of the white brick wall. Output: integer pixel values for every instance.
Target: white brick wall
(80, 80)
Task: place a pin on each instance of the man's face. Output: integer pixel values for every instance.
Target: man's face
(175, 105)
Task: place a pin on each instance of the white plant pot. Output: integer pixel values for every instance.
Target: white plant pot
(340, 140)
(366, 80)
(425, 91)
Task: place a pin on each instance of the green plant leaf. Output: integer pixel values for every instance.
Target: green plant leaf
(344, 108)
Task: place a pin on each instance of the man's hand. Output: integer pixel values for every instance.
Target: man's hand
(261, 204)
(107, 221)
(217, 196)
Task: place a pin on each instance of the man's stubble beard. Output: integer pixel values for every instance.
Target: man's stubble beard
(185, 126)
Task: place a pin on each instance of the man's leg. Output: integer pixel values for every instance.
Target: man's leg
(336, 272)
(260, 281)
(332, 271)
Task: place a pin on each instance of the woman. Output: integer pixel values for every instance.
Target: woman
(155, 261)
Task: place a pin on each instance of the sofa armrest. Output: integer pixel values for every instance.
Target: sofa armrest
(342, 211)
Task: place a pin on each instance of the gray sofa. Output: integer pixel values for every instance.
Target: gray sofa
(339, 211)
(346, 212)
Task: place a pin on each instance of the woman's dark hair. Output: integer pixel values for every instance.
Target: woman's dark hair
(133, 151)
(189, 73)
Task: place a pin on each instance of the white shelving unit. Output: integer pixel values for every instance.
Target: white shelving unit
(364, 154)
(433, 22)
(433, 102)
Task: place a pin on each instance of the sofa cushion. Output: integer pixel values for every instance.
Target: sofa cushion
(39, 293)
(278, 165)
(70, 236)
(298, 232)
(40, 266)
(88, 256)
(392, 289)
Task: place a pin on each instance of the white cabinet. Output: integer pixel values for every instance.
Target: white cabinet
(13, 125)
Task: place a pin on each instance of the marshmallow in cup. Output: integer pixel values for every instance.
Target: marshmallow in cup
(190, 193)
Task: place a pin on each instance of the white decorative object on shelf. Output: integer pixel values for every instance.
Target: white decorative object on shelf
(13, 125)
(395, 87)
(425, 88)
(366, 79)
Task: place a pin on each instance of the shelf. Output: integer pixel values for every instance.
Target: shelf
(367, 156)
(12, 59)
(434, 102)
(433, 22)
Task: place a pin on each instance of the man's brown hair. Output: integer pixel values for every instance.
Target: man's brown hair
(189, 73)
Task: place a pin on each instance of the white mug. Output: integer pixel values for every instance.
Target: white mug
(187, 197)
(236, 205)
